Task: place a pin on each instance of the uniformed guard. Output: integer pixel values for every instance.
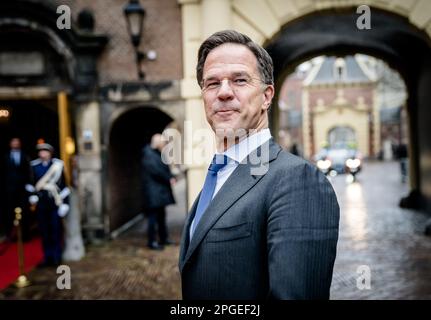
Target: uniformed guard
(50, 195)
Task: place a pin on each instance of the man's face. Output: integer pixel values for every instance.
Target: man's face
(233, 92)
(15, 144)
(45, 155)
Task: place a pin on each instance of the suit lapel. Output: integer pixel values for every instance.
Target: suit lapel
(239, 183)
(186, 230)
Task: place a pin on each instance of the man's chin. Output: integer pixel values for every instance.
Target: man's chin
(228, 130)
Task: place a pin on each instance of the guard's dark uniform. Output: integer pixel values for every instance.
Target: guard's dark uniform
(50, 223)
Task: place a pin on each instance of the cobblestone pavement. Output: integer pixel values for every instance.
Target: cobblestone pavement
(374, 233)
(377, 234)
(123, 268)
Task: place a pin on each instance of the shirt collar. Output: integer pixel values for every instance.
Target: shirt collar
(241, 150)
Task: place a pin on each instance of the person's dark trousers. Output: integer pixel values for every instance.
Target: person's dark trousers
(157, 216)
(161, 222)
(50, 228)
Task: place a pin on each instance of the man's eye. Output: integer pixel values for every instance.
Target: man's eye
(212, 84)
(240, 81)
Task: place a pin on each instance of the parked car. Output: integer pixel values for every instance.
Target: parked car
(338, 160)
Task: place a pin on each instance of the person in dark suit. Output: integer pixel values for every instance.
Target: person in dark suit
(157, 192)
(17, 174)
(265, 225)
(50, 196)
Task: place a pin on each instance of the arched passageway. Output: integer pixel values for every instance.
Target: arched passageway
(129, 133)
(391, 38)
(29, 120)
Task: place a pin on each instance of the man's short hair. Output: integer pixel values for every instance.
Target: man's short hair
(264, 60)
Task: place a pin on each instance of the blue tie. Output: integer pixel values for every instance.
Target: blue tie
(218, 162)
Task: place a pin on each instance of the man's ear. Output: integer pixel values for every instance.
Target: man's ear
(268, 94)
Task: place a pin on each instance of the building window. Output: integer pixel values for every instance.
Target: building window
(340, 69)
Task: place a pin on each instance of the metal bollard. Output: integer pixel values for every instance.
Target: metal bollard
(22, 280)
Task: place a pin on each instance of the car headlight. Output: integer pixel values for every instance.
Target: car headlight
(324, 164)
(353, 163)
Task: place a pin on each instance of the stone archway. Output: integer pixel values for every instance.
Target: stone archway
(129, 133)
(47, 65)
(334, 33)
(294, 31)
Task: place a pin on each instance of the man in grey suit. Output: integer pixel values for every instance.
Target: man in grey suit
(265, 225)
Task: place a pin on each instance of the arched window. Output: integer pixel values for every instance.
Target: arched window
(341, 137)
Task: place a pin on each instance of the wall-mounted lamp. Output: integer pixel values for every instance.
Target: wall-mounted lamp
(70, 146)
(135, 15)
(4, 114)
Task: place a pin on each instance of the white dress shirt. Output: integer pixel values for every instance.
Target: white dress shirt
(16, 156)
(236, 154)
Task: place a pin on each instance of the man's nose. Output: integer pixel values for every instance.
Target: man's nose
(225, 91)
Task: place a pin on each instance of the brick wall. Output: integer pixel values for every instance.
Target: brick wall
(351, 94)
(161, 32)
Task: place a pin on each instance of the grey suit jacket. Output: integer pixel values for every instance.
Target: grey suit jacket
(270, 236)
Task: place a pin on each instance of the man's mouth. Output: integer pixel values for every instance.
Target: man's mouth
(225, 111)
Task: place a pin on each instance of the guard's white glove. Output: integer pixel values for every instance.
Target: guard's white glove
(64, 193)
(63, 209)
(29, 188)
(33, 199)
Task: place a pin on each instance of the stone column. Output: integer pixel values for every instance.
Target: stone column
(306, 124)
(376, 123)
(94, 221)
(216, 16)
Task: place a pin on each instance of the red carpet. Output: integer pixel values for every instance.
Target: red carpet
(9, 260)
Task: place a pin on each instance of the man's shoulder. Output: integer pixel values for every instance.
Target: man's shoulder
(35, 162)
(38, 162)
(58, 161)
(287, 160)
(147, 151)
(287, 166)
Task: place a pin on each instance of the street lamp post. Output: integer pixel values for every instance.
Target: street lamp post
(135, 14)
